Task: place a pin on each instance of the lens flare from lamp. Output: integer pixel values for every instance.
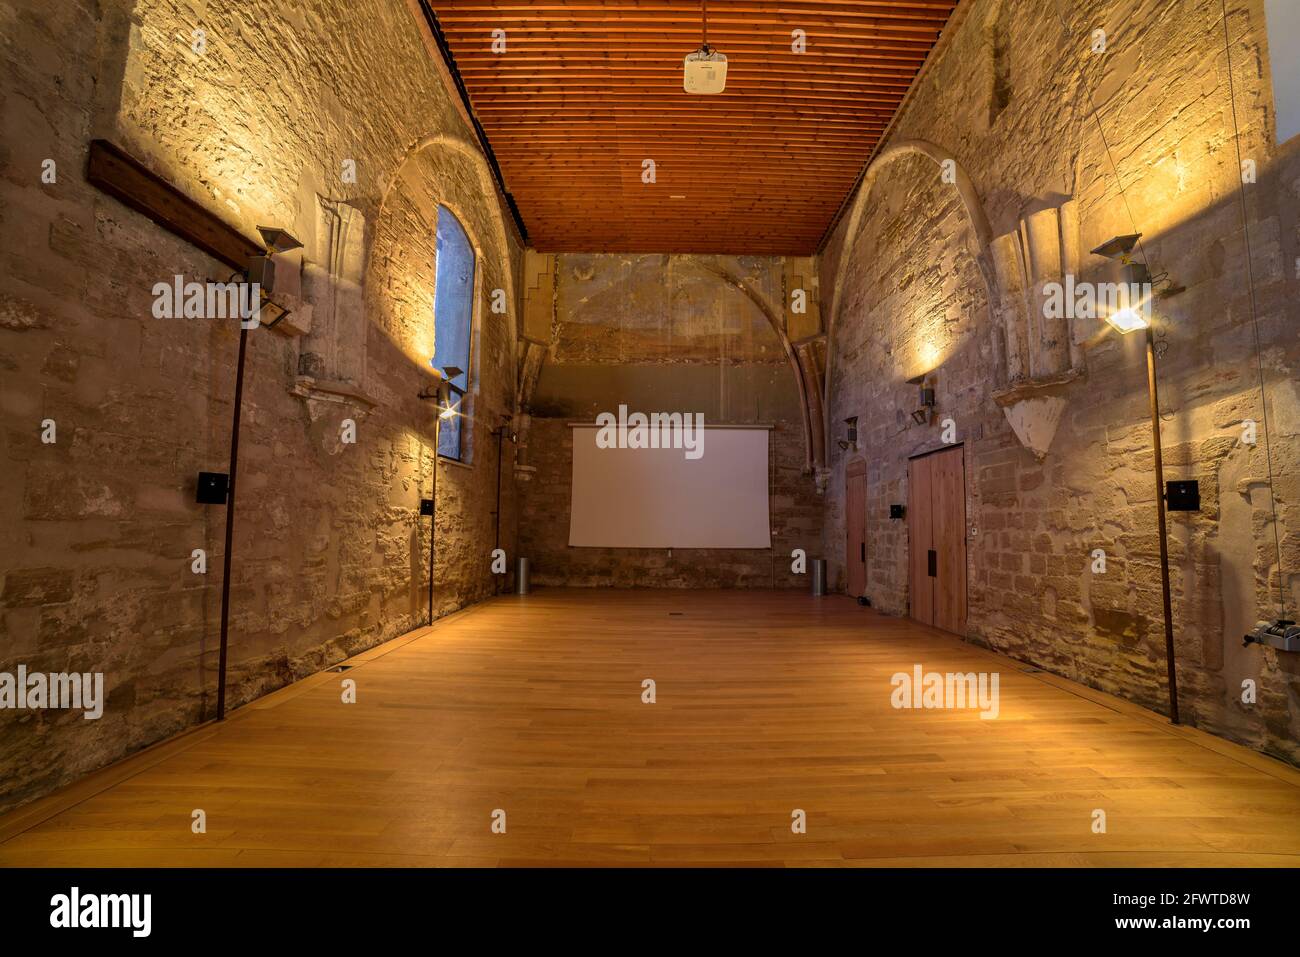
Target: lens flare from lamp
(1127, 320)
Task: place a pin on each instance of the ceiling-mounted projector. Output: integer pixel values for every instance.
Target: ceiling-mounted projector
(706, 68)
(706, 71)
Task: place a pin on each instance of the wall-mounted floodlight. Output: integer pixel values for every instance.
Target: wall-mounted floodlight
(439, 391)
(852, 441)
(446, 396)
(261, 270)
(448, 408)
(278, 240)
(1118, 247)
(923, 414)
(1126, 320)
(1135, 313)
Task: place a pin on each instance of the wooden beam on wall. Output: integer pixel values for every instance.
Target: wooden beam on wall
(125, 178)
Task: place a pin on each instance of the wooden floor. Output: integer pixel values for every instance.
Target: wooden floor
(766, 702)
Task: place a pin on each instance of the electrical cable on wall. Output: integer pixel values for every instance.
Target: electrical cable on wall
(1282, 632)
(1110, 158)
(1254, 313)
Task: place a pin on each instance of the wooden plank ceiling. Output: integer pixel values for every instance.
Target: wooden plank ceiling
(588, 90)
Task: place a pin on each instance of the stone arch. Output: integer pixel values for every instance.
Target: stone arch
(970, 202)
(487, 186)
(774, 320)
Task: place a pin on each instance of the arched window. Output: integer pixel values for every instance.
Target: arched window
(453, 321)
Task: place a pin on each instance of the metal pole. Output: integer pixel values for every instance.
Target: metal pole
(433, 513)
(501, 431)
(1160, 512)
(230, 525)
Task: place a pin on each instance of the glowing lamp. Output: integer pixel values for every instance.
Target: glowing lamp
(1131, 318)
(1127, 320)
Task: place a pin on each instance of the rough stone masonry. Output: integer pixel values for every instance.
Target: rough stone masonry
(1014, 110)
(334, 122)
(97, 529)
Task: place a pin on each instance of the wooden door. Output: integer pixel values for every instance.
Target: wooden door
(948, 486)
(920, 538)
(855, 521)
(937, 539)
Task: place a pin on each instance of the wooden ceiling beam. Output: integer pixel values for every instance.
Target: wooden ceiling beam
(687, 9)
(589, 88)
(629, 101)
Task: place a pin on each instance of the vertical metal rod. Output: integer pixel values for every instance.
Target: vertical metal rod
(1160, 512)
(433, 512)
(230, 525)
(501, 431)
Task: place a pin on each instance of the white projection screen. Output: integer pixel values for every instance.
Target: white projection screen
(658, 498)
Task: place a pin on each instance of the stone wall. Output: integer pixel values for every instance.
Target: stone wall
(258, 124)
(920, 288)
(667, 334)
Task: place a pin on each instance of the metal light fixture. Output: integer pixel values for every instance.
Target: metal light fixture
(261, 270)
(1134, 314)
(852, 441)
(439, 392)
(278, 240)
(925, 412)
(448, 408)
(1128, 319)
(1132, 317)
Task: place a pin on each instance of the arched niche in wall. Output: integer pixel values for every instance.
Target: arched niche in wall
(775, 321)
(665, 283)
(950, 171)
(445, 170)
(333, 348)
(1038, 353)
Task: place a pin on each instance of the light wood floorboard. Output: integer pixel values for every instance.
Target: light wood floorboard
(766, 702)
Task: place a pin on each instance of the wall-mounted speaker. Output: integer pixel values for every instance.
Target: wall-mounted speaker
(1183, 496)
(213, 488)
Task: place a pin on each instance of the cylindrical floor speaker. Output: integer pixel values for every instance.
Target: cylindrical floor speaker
(521, 576)
(819, 576)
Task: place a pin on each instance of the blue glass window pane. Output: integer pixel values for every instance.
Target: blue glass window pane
(453, 312)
